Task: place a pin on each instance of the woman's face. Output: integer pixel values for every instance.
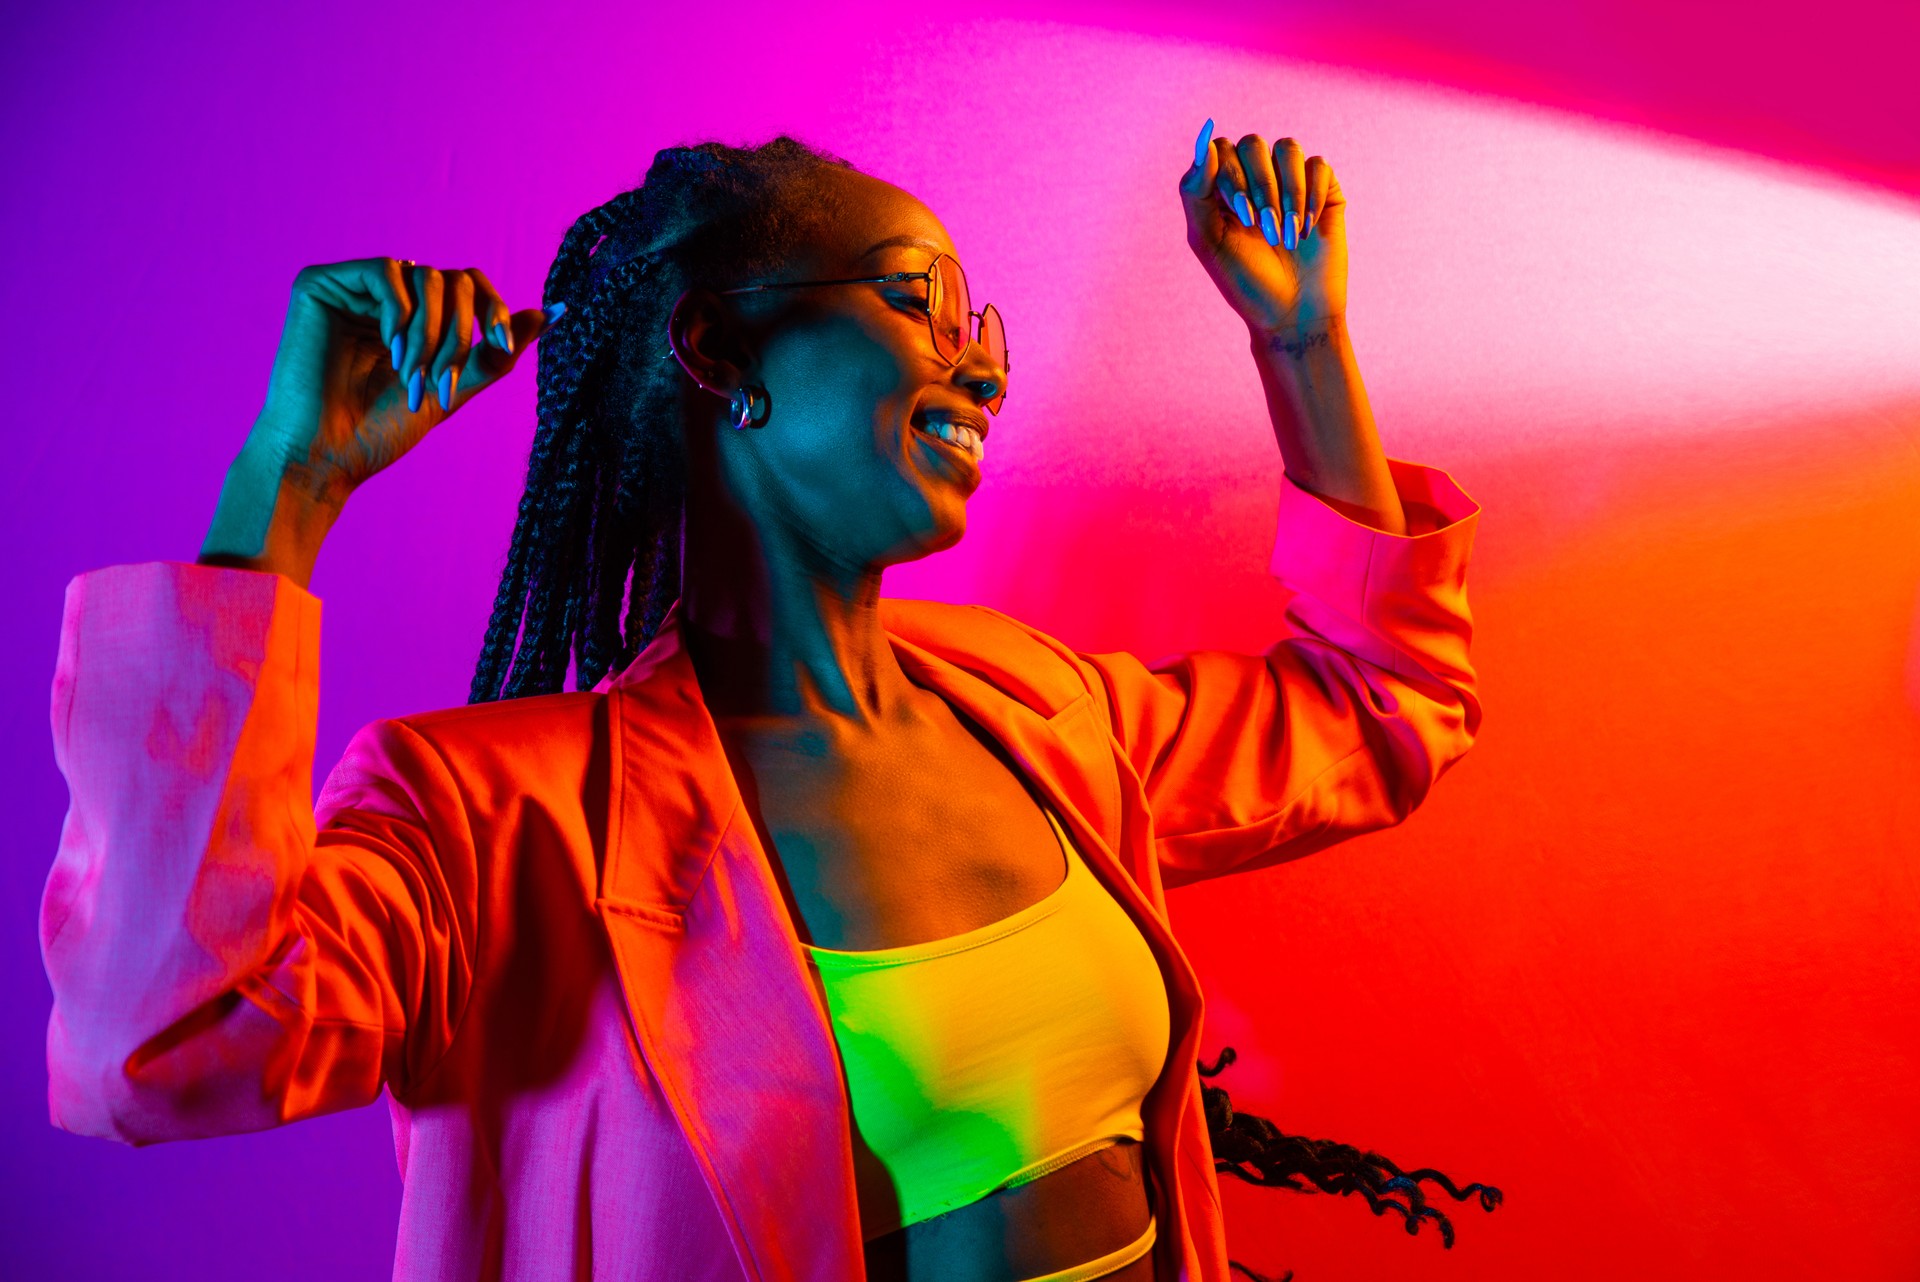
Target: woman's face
(850, 464)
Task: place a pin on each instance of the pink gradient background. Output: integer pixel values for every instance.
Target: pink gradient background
(1644, 279)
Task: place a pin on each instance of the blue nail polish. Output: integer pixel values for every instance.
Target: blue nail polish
(398, 347)
(1200, 146)
(1243, 208)
(1290, 239)
(1268, 227)
(444, 388)
(416, 385)
(553, 311)
(499, 333)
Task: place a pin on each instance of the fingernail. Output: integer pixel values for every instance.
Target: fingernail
(1268, 227)
(1243, 208)
(1200, 145)
(501, 338)
(415, 386)
(1291, 238)
(553, 311)
(444, 389)
(398, 346)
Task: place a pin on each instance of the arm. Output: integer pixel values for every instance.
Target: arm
(1346, 722)
(1269, 227)
(217, 964)
(1323, 422)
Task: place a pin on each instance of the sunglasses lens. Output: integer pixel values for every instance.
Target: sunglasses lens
(952, 311)
(993, 340)
(951, 308)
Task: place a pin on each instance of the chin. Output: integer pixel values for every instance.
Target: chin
(939, 541)
(949, 526)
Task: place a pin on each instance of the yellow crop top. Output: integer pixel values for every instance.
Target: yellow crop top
(988, 1059)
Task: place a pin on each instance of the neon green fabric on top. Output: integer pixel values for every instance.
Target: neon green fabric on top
(988, 1059)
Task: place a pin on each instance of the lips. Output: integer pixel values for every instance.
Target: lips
(963, 431)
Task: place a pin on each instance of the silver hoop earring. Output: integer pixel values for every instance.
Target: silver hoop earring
(750, 406)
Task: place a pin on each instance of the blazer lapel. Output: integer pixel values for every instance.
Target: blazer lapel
(723, 1011)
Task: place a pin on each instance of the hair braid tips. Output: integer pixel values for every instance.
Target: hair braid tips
(1253, 1149)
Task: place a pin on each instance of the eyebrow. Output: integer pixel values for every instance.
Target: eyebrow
(891, 241)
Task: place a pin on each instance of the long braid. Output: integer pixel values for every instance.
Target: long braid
(557, 353)
(594, 563)
(653, 530)
(560, 594)
(638, 506)
(1253, 1149)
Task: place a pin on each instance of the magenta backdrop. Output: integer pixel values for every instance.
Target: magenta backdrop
(1645, 960)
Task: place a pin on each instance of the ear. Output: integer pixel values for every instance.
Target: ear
(704, 341)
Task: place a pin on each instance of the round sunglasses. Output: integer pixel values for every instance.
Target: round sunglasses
(951, 319)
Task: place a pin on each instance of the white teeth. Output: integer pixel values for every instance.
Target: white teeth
(959, 434)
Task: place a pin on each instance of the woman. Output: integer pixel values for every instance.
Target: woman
(753, 956)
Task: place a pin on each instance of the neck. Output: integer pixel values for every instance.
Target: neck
(776, 629)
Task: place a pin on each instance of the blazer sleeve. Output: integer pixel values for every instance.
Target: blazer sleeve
(221, 960)
(1344, 724)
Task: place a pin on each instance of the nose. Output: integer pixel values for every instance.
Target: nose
(982, 380)
(982, 390)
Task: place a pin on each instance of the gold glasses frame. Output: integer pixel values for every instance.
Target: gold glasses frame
(984, 326)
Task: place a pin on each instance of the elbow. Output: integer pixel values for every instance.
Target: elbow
(1445, 749)
(91, 1095)
(1414, 759)
(169, 1087)
(1444, 735)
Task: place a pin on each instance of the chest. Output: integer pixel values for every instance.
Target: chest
(919, 832)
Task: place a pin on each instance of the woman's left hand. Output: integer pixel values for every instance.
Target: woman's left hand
(1269, 225)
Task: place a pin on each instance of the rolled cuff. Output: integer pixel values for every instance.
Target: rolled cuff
(1324, 553)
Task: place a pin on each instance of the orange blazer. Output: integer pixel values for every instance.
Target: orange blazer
(548, 928)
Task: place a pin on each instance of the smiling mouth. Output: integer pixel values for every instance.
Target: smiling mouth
(963, 437)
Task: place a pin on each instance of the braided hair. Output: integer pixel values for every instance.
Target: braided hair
(595, 558)
(1255, 1150)
(594, 562)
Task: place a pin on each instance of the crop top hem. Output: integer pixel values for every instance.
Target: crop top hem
(1028, 1174)
(1047, 1167)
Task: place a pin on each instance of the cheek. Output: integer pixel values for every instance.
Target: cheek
(841, 400)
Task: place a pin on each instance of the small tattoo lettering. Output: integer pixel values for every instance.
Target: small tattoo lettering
(1298, 345)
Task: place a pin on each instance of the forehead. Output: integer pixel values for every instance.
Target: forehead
(879, 224)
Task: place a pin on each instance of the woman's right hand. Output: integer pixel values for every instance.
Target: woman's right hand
(375, 353)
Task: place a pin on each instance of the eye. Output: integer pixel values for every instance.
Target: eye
(915, 303)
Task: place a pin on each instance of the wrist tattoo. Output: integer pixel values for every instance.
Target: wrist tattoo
(1298, 345)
